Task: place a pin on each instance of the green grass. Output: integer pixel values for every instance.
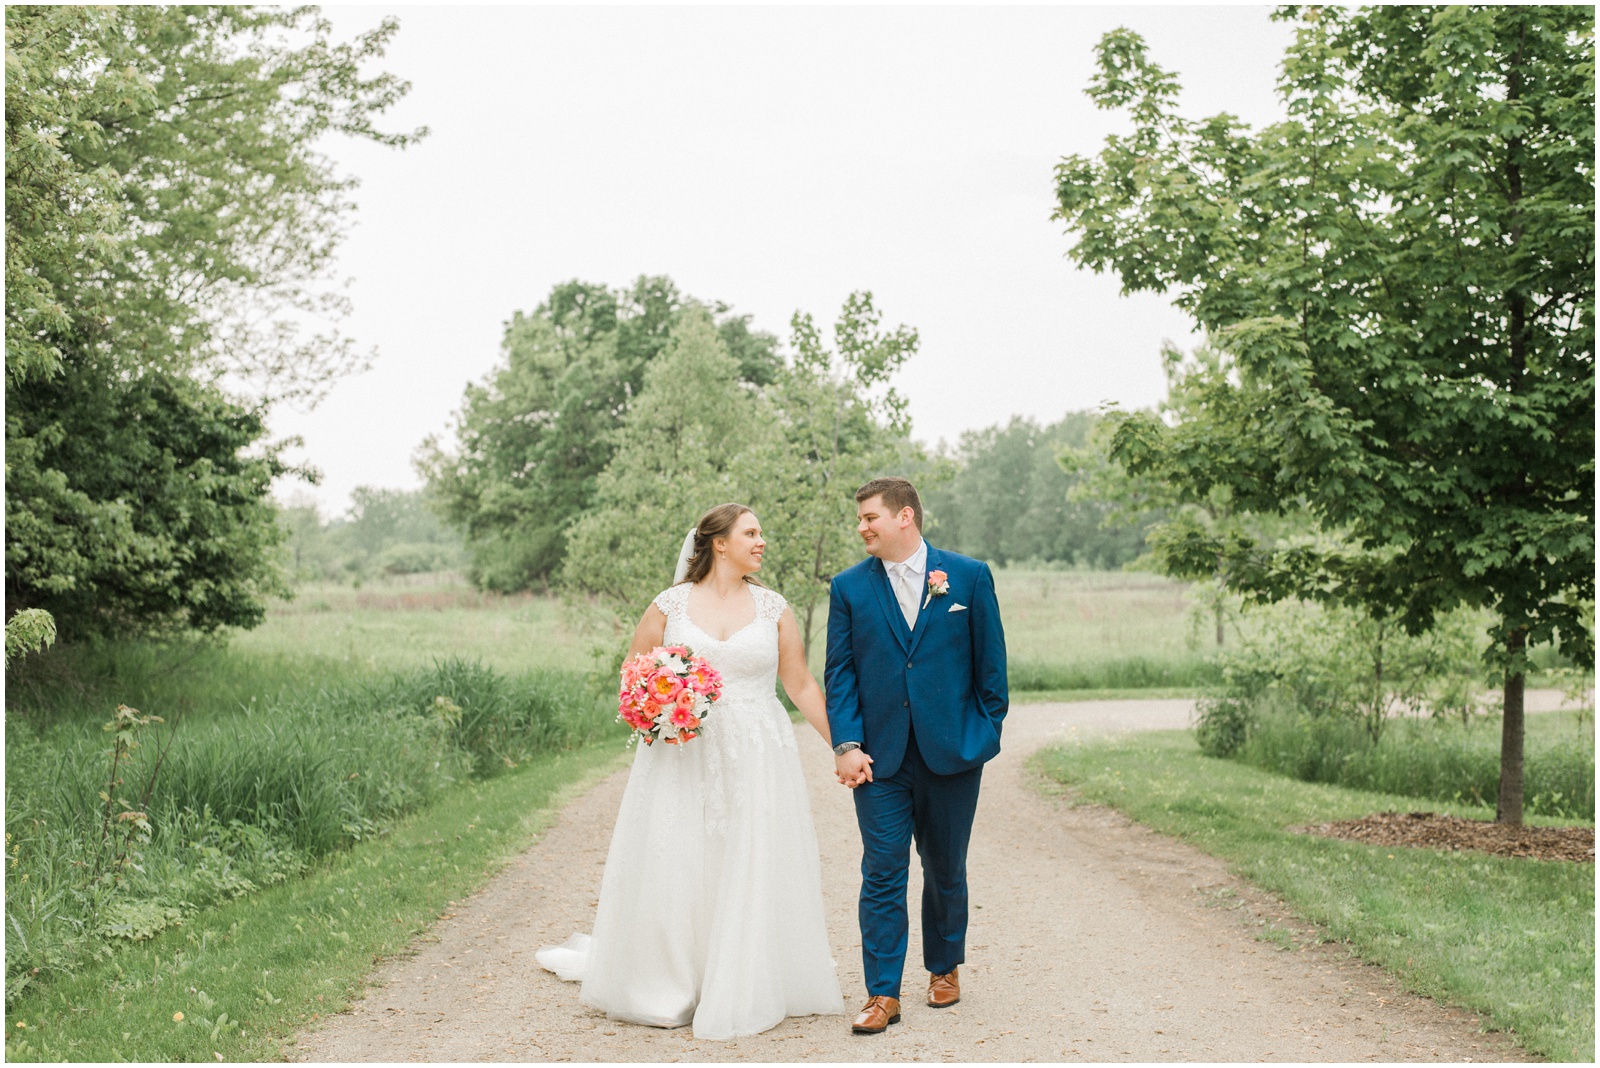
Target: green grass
(1127, 673)
(1153, 693)
(1442, 759)
(1080, 618)
(398, 623)
(1509, 938)
(252, 974)
(1065, 630)
(247, 796)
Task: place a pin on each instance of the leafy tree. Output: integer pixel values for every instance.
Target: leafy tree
(1401, 276)
(841, 425)
(1010, 499)
(165, 201)
(698, 434)
(135, 506)
(535, 435)
(169, 230)
(689, 442)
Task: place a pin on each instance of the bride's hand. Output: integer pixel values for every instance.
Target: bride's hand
(853, 768)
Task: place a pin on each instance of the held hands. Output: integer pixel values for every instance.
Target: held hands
(853, 768)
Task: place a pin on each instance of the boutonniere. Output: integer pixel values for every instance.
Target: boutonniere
(938, 586)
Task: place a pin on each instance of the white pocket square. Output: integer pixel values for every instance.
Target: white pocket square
(958, 608)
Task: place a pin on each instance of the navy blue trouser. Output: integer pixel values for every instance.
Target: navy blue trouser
(937, 811)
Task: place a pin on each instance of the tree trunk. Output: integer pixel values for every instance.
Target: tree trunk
(1508, 810)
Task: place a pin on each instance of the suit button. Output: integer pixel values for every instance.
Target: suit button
(908, 663)
(906, 703)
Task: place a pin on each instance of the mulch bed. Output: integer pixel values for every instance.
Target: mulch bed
(1430, 830)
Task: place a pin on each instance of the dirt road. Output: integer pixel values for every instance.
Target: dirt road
(1091, 939)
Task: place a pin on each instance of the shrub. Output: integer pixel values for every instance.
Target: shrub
(1221, 724)
(1341, 664)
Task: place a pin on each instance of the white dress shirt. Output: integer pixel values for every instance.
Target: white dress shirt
(907, 579)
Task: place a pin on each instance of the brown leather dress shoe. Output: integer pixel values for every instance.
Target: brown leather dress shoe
(876, 1016)
(944, 990)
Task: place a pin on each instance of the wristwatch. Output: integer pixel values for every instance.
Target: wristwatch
(844, 747)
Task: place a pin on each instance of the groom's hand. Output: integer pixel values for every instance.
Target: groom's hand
(853, 768)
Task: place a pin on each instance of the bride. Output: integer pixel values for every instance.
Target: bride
(711, 903)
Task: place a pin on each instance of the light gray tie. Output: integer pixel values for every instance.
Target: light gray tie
(904, 593)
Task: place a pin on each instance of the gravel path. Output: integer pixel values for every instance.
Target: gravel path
(1091, 938)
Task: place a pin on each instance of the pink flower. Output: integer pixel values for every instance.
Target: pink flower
(664, 686)
(703, 678)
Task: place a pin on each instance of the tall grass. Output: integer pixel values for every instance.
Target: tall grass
(249, 795)
(1438, 759)
(1126, 673)
(85, 682)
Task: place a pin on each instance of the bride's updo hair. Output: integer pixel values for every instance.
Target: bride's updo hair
(716, 523)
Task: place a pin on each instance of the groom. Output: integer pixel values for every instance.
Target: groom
(916, 682)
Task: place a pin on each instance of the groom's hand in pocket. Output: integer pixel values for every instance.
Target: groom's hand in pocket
(853, 768)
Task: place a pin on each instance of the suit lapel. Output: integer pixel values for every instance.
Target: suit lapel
(890, 606)
(925, 616)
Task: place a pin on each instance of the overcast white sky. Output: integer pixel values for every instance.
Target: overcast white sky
(772, 158)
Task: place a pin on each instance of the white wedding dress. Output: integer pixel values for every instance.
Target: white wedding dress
(711, 902)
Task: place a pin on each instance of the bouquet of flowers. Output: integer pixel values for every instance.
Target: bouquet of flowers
(667, 693)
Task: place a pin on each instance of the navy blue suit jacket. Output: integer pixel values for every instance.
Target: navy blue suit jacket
(947, 677)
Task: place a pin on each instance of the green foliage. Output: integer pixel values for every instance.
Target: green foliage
(386, 532)
(1328, 661)
(236, 799)
(1401, 276)
(1441, 760)
(688, 443)
(1123, 673)
(1506, 936)
(165, 202)
(842, 425)
(169, 227)
(253, 972)
(1443, 419)
(29, 631)
(1011, 501)
(137, 504)
(795, 452)
(1222, 724)
(532, 439)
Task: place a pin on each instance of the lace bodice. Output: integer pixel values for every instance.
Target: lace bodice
(748, 659)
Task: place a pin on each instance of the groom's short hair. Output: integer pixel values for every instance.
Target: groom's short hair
(897, 493)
